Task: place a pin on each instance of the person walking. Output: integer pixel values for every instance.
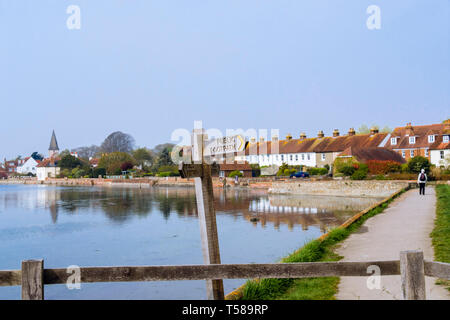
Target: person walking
(421, 181)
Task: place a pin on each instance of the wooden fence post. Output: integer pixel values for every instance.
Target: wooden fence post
(33, 280)
(413, 275)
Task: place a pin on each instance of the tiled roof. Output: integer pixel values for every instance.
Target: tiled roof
(319, 145)
(421, 133)
(48, 162)
(235, 166)
(366, 154)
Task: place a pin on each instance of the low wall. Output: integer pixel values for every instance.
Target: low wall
(348, 188)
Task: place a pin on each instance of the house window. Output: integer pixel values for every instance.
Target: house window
(442, 155)
(290, 157)
(431, 139)
(445, 139)
(403, 154)
(323, 156)
(303, 156)
(282, 157)
(296, 157)
(412, 140)
(309, 157)
(411, 153)
(426, 153)
(393, 140)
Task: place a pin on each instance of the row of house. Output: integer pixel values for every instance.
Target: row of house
(430, 141)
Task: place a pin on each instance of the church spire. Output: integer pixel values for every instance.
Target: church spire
(53, 148)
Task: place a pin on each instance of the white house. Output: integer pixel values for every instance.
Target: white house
(29, 166)
(48, 168)
(440, 151)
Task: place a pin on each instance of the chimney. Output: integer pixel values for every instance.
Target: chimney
(320, 134)
(351, 132)
(302, 136)
(336, 133)
(275, 139)
(261, 139)
(252, 140)
(288, 137)
(409, 129)
(373, 130)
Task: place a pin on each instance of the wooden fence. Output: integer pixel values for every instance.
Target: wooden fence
(411, 266)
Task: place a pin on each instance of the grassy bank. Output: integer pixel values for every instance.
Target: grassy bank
(441, 232)
(323, 288)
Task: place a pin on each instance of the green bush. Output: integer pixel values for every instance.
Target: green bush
(417, 163)
(317, 171)
(98, 172)
(359, 175)
(235, 173)
(347, 170)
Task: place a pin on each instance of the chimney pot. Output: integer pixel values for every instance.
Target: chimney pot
(373, 130)
(351, 132)
(320, 134)
(302, 136)
(336, 133)
(288, 136)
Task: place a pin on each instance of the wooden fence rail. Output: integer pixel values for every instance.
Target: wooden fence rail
(411, 267)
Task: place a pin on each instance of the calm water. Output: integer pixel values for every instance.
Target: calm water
(93, 226)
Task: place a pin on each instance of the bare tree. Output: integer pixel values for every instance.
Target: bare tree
(87, 152)
(118, 142)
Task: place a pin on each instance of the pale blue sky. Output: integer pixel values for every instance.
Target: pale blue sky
(149, 67)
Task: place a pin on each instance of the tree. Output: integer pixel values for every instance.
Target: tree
(112, 161)
(160, 147)
(36, 156)
(87, 152)
(118, 142)
(127, 165)
(143, 156)
(65, 152)
(164, 158)
(363, 129)
(417, 163)
(69, 162)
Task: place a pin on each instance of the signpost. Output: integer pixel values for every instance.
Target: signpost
(202, 174)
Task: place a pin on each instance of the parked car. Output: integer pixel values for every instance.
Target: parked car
(299, 174)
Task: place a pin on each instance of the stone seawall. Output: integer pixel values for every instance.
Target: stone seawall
(348, 188)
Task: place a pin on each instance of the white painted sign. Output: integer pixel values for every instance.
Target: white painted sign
(224, 145)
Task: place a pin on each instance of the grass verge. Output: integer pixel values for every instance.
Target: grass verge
(441, 233)
(323, 288)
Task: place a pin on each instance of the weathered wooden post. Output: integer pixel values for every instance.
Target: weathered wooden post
(33, 280)
(413, 275)
(201, 172)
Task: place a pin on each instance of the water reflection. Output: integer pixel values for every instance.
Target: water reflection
(122, 204)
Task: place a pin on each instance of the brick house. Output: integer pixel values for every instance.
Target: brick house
(410, 141)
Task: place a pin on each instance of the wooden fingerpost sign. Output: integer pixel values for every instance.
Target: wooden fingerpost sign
(201, 172)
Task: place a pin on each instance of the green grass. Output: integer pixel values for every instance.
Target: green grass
(441, 232)
(314, 251)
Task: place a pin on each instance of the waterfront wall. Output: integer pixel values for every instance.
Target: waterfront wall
(347, 188)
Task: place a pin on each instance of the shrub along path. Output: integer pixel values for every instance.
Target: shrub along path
(405, 225)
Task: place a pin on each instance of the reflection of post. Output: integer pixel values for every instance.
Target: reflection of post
(201, 172)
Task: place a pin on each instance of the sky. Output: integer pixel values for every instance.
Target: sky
(149, 67)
